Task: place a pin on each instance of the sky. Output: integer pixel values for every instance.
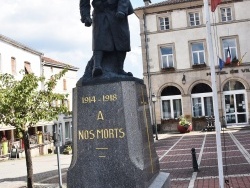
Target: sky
(53, 27)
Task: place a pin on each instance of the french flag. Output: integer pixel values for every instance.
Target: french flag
(214, 4)
(228, 58)
(221, 63)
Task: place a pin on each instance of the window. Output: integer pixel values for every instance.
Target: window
(52, 79)
(64, 84)
(202, 105)
(13, 65)
(198, 53)
(66, 103)
(194, 19)
(67, 131)
(171, 103)
(164, 23)
(167, 59)
(226, 14)
(233, 85)
(171, 108)
(232, 45)
(202, 100)
(27, 67)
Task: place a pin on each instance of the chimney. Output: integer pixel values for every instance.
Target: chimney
(147, 2)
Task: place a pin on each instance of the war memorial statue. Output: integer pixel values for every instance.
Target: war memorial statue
(113, 144)
(111, 36)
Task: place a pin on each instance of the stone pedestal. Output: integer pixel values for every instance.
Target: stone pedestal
(112, 138)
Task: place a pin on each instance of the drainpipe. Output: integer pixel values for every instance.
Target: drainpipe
(147, 55)
(147, 63)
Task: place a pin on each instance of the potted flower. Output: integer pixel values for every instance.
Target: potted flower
(184, 125)
(67, 150)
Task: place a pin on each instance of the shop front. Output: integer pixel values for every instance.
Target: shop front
(6, 139)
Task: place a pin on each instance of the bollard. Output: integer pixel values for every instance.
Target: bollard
(195, 164)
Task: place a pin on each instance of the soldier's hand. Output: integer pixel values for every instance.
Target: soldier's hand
(120, 15)
(87, 21)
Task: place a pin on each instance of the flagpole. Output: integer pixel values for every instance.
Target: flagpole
(215, 95)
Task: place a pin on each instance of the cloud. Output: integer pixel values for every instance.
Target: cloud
(53, 27)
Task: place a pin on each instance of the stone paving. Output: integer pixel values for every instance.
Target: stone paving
(174, 151)
(175, 157)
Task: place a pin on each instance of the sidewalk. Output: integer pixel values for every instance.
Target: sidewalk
(22, 184)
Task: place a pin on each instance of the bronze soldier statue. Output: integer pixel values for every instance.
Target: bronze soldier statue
(110, 31)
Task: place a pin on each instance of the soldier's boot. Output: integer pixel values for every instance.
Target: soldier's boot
(97, 68)
(120, 62)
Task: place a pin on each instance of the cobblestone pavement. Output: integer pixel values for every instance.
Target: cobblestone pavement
(175, 158)
(174, 151)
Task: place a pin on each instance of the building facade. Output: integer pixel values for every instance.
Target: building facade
(15, 57)
(176, 64)
(64, 86)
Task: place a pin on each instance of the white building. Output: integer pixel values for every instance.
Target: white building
(176, 63)
(15, 57)
(64, 86)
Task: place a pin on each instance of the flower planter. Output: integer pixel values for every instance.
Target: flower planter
(184, 129)
(68, 152)
(168, 69)
(198, 66)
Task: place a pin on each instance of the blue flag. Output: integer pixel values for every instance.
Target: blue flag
(221, 63)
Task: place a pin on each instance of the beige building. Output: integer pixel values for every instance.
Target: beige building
(176, 63)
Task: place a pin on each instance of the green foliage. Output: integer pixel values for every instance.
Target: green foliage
(24, 104)
(68, 148)
(183, 121)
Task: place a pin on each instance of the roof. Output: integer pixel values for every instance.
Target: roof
(51, 62)
(19, 45)
(172, 2)
(4, 127)
(168, 2)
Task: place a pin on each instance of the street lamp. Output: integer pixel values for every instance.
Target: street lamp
(58, 143)
(154, 99)
(183, 79)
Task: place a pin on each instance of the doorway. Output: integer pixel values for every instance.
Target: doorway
(235, 103)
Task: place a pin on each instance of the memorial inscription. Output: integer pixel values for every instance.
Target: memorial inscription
(113, 137)
(103, 98)
(101, 134)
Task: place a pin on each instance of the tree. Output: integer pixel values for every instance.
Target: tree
(23, 104)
